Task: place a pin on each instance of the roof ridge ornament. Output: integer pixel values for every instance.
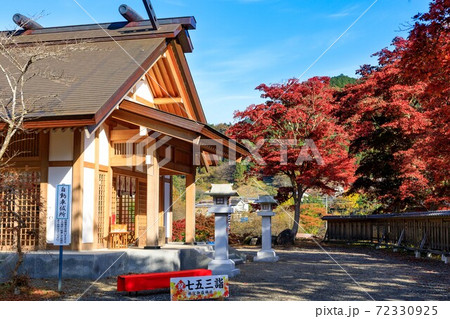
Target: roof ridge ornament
(129, 13)
(151, 14)
(25, 22)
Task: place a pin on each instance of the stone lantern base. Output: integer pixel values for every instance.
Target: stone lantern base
(223, 267)
(266, 256)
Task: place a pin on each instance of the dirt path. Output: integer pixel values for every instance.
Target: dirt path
(307, 273)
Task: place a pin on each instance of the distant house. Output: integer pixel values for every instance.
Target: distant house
(131, 88)
(239, 205)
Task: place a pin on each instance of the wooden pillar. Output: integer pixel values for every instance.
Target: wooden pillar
(111, 194)
(152, 202)
(161, 201)
(96, 190)
(44, 141)
(170, 219)
(190, 208)
(77, 189)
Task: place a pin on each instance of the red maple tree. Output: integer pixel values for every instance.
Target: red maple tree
(297, 135)
(398, 113)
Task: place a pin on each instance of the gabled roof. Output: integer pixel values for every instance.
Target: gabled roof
(102, 73)
(96, 76)
(110, 60)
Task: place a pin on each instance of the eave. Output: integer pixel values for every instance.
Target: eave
(180, 124)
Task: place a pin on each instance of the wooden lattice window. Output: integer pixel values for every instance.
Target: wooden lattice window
(126, 203)
(20, 196)
(101, 207)
(122, 148)
(23, 145)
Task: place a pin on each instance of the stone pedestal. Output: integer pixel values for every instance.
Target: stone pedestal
(266, 254)
(222, 265)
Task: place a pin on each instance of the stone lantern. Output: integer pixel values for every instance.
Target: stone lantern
(221, 265)
(266, 254)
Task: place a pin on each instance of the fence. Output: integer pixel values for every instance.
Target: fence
(20, 199)
(428, 231)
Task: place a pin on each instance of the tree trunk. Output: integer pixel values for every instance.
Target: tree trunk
(8, 136)
(19, 224)
(15, 273)
(297, 203)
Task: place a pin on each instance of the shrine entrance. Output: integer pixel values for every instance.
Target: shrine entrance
(125, 202)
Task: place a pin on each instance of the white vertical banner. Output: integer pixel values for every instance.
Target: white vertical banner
(63, 215)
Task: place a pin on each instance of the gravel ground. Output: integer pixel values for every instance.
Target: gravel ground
(307, 273)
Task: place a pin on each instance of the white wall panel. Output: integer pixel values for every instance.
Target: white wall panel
(89, 149)
(88, 206)
(103, 148)
(61, 145)
(143, 90)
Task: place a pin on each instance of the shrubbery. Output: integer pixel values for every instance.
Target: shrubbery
(204, 229)
(310, 220)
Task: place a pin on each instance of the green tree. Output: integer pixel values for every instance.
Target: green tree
(341, 81)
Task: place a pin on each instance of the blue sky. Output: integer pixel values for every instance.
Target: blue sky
(240, 44)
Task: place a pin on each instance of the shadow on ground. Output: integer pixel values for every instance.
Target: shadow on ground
(343, 273)
(306, 272)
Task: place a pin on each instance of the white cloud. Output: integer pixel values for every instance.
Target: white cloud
(344, 12)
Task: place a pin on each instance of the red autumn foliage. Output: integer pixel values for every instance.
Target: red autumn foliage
(204, 228)
(178, 230)
(399, 114)
(294, 114)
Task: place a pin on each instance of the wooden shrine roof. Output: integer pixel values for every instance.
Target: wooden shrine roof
(100, 64)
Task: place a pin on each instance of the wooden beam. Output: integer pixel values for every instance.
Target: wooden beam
(96, 191)
(60, 163)
(168, 100)
(110, 194)
(141, 100)
(44, 141)
(77, 190)
(124, 135)
(152, 124)
(161, 205)
(172, 67)
(168, 81)
(190, 209)
(178, 169)
(141, 176)
(150, 76)
(127, 160)
(205, 161)
(45, 124)
(162, 116)
(177, 53)
(89, 165)
(151, 14)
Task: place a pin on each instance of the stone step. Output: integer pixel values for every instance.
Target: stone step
(4, 257)
(237, 261)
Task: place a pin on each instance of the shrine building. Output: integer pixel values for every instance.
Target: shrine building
(124, 119)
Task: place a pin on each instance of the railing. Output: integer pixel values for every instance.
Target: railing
(428, 231)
